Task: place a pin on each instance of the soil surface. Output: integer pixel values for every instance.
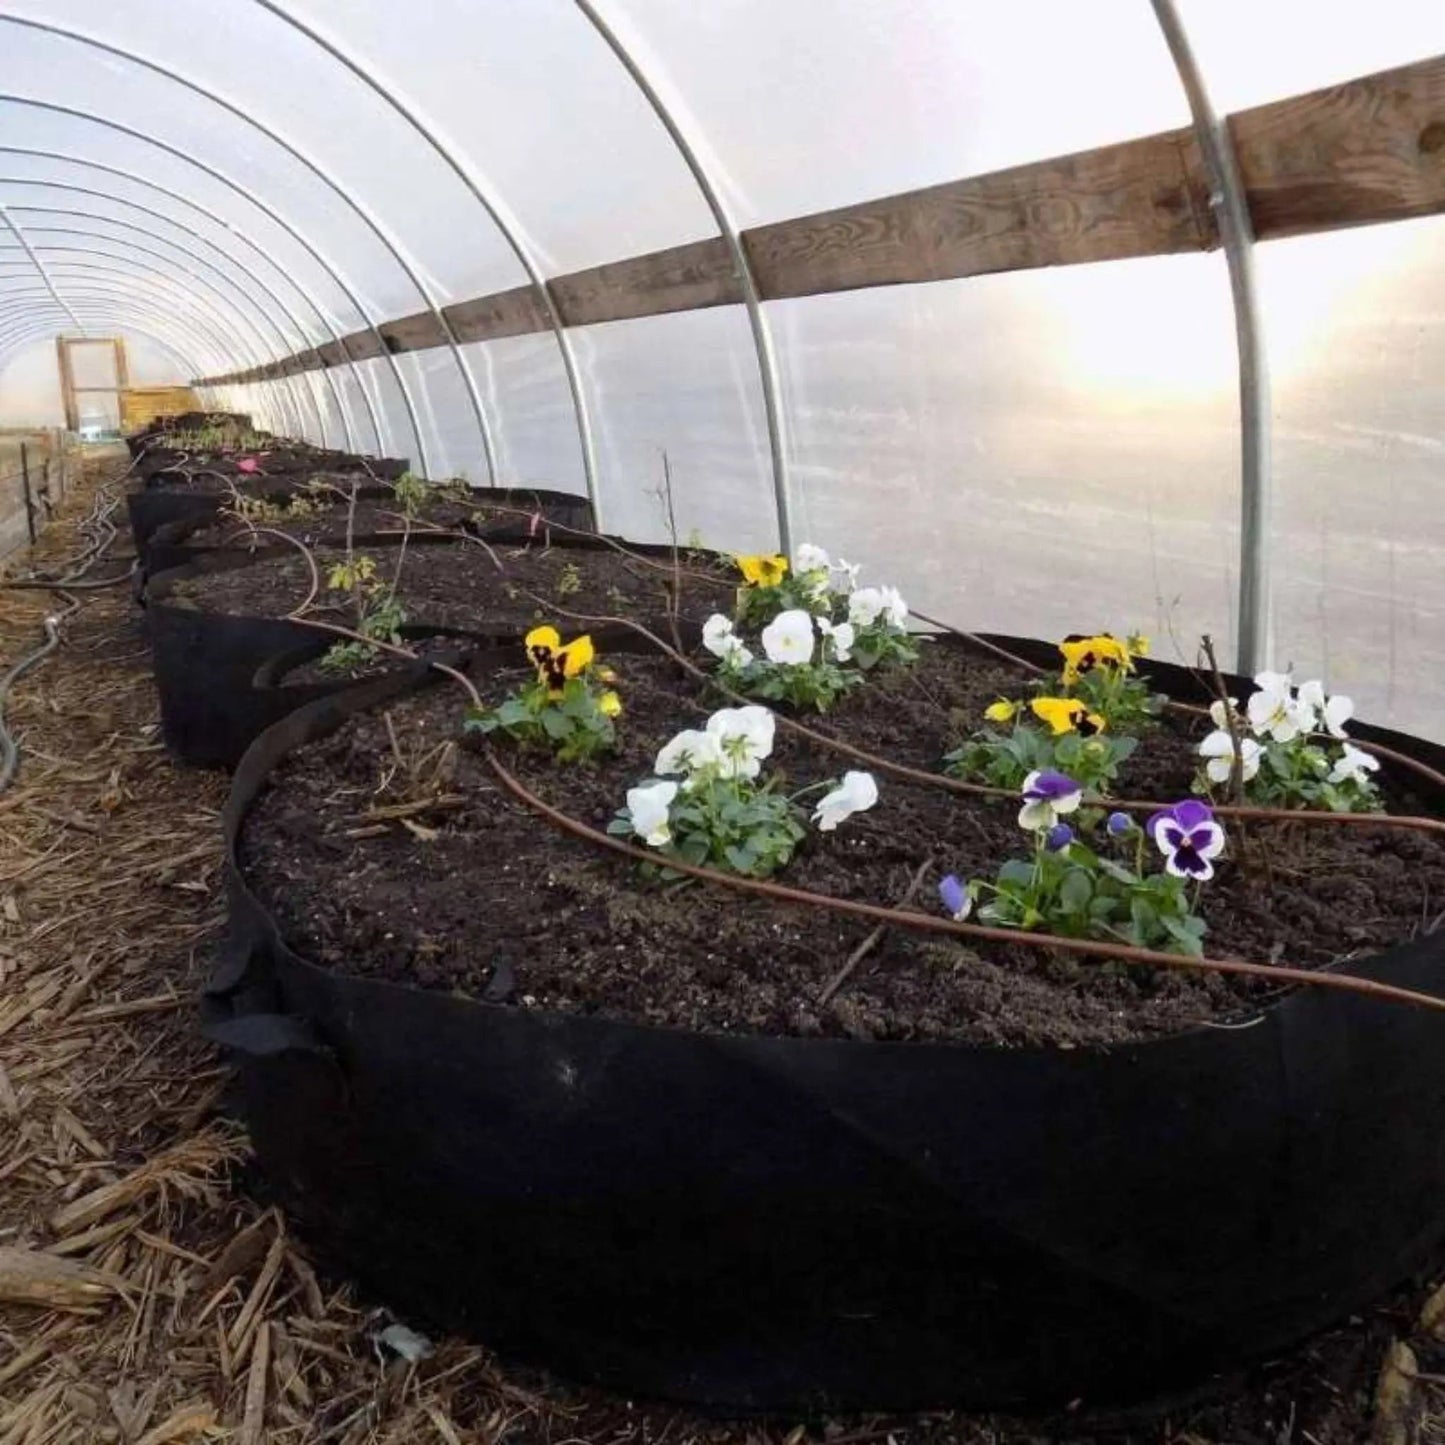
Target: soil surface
(327, 524)
(584, 932)
(499, 589)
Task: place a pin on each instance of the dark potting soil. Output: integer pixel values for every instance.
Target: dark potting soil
(488, 888)
(195, 476)
(458, 584)
(327, 523)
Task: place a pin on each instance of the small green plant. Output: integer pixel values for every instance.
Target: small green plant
(1077, 891)
(1292, 752)
(411, 493)
(379, 614)
(565, 709)
(721, 815)
(1073, 742)
(569, 580)
(801, 663)
(1099, 672)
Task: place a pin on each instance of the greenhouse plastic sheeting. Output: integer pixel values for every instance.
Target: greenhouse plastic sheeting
(1038, 451)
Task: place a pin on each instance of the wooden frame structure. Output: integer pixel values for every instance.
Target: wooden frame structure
(70, 392)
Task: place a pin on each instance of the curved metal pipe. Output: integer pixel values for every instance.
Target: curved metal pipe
(34, 260)
(15, 99)
(1236, 229)
(123, 318)
(266, 351)
(510, 231)
(258, 345)
(207, 338)
(728, 230)
(26, 332)
(361, 211)
(305, 337)
(142, 290)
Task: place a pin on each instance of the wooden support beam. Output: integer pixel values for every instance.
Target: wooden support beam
(1369, 150)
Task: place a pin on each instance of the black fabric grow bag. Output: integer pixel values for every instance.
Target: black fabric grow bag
(756, 1223)
(206, 663)
(171, 544)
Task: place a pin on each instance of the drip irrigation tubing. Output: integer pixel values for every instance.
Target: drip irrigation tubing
(926, 923)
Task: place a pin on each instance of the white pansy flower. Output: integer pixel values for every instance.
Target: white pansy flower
(1275, 711)
(648, 807)
(841, 635)
(1354, 766)
(687, 752)
(743, 737)
(721, 639)
(1218, 748)
(894, 607)
(788, 638)
(854, 794)
(845, 575)
(809, 558)
(1219, 716)
(865, 606)
(1333, 712)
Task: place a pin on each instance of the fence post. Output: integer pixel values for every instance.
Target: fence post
(29, 500)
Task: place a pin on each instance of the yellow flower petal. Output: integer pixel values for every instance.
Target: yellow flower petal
(763, 571)
(1083, 654)
(609, 704)
(1001, 711)
(1061, 713)
(577, 655)
(547, 637)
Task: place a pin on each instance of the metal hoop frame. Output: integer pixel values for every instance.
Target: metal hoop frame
(260, 348)
(728, 230)
(500, 217)
(246, 193)
(266, 350)
(230, 229)
(362, 212)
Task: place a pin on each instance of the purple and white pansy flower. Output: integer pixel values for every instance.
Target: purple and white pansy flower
(1189, 839)
(1047, 795)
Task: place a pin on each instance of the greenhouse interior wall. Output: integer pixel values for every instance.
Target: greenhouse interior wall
(1036, 451)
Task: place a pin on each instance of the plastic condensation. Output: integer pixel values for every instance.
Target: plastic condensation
(1036, 452)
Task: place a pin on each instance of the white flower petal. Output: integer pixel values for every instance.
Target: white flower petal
(857, 792)
(788, 638)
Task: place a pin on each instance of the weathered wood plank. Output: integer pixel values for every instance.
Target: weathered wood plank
(413, 333)
(517, 312)
(682, 278)
(1145, 197)
(1369, 150)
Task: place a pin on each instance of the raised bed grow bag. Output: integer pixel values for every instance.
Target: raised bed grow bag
(765, 1223)
(207, 664)
(156, 505)
(172, 544)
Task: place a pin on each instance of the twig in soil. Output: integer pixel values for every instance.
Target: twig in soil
(1231, 721)
(871, 942)
(1283, 978)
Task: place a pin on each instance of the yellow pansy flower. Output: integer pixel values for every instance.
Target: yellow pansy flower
(1001, 711)
(1083, 654)
(1067, 715)
(554, 662)
(762, 570)
(609, 704)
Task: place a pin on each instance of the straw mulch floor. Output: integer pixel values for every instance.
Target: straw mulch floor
(143, 1298)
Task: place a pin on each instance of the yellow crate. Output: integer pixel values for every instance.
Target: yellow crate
(141, 404)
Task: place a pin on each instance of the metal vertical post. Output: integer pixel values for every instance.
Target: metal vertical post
(1236, 229)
